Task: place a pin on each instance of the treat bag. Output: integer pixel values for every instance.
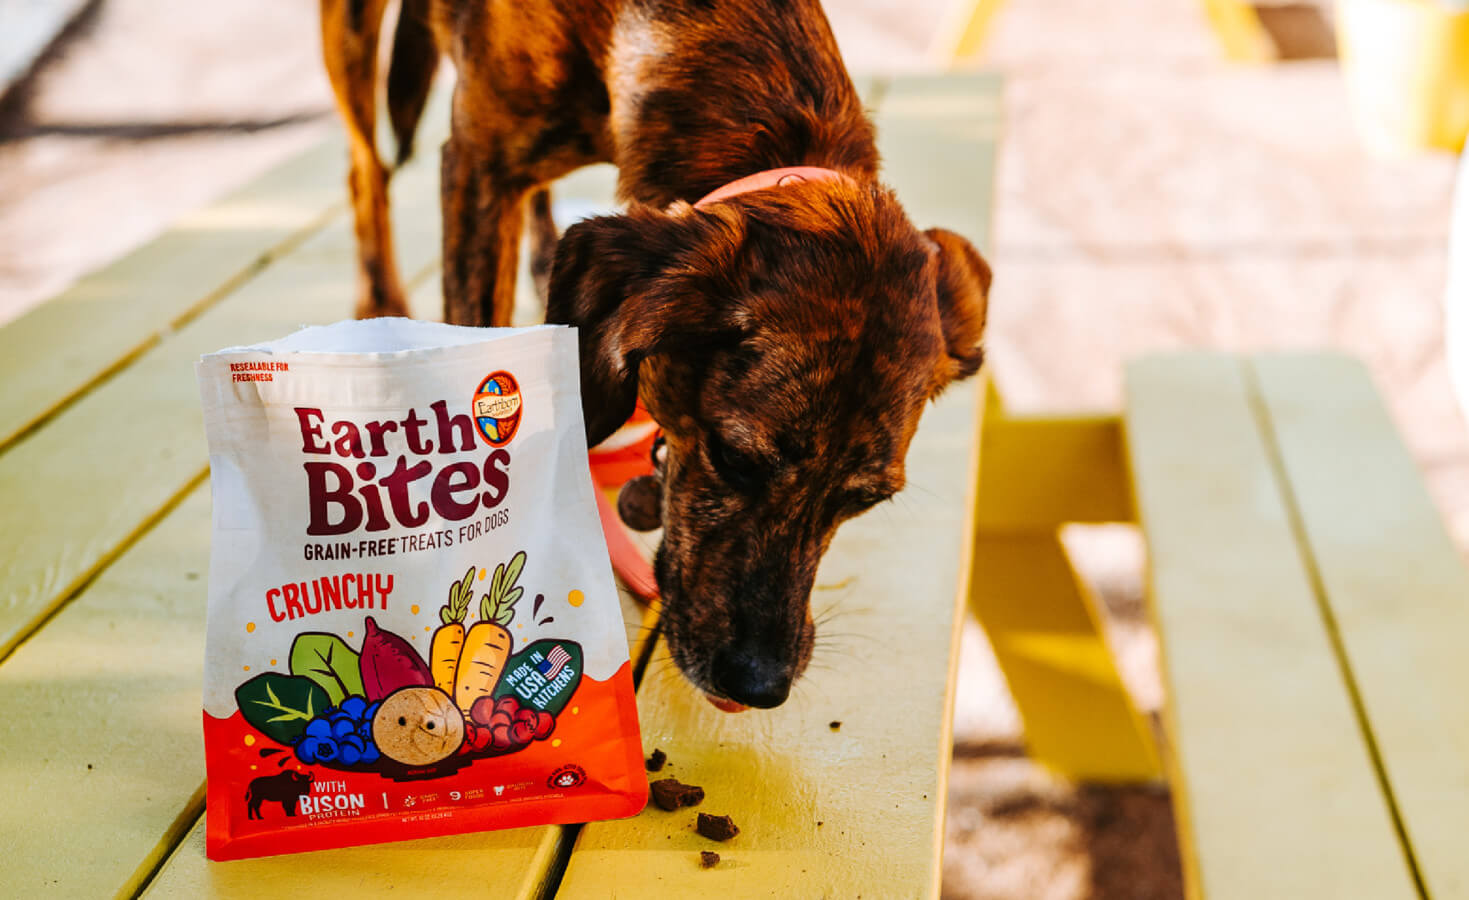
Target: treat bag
(413, 628)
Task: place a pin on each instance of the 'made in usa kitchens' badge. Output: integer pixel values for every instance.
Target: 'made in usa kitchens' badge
(497, 408)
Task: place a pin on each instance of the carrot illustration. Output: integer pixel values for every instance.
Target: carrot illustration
(487, 645)
(448, 640)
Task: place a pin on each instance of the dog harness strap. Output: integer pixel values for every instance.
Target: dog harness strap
(768, 179)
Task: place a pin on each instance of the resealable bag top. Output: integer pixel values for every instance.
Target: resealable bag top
(413, 628)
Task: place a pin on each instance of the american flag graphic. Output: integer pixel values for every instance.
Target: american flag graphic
(554, 662)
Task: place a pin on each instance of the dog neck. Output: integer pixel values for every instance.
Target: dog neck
(770, 178)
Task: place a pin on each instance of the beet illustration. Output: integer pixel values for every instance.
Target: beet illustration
(389, 663)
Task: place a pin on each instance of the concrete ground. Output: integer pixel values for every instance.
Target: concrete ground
(1150, 196)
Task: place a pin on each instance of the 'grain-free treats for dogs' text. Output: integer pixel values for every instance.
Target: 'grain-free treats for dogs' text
(413, 628)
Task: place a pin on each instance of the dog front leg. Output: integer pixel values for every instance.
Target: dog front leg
(482, 220)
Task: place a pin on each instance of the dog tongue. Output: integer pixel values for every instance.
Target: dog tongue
(725, 705)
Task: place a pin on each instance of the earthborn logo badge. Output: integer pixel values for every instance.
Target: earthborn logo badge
(497, 408)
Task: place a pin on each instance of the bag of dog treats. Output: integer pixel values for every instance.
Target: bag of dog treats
(413, 628)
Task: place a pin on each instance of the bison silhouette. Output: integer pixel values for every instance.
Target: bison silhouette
(286, 788)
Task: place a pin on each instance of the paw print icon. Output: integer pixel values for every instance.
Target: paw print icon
(568, 776)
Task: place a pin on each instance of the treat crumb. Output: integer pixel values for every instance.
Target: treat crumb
(708, 859)
(670, 794)
(716, 828)
(835, 725)
(655, 762)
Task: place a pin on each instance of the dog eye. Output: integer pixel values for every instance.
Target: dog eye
(736, 468)
(863, 501)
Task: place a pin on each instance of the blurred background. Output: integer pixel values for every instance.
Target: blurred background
(1166, 179)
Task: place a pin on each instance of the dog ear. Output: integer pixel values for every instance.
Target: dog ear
(635, 285)
(962, 289)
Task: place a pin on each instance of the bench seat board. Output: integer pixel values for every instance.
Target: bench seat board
(1275, 791)
(1396, 588)
(858, 810)
(80, 489)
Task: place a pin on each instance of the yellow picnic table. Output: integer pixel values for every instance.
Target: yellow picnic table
(1311, 610)
(106, 526)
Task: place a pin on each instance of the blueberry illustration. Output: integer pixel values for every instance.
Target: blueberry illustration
(354, 707)
(306, 751)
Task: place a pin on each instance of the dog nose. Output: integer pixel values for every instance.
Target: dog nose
(749, 677)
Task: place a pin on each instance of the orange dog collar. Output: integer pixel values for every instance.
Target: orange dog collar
(768, 179)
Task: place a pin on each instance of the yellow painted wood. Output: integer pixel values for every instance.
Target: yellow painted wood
(1275, 791)
(1240, 32)
(1405, 66)
(962, 37)
(1034, 475)
(56, 352)
(79, 489)
(101, 749)
(1041, 472)
(53, 353)
(1044, 626)
(883, 668)
(500, 865)
(1395, 588)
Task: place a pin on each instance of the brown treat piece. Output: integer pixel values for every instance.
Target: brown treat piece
(716, 828)
(669, 794)
(835, 726)
(655, 762)
(640, 503)
(708, 859)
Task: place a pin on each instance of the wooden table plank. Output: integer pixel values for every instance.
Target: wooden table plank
(500, 865)
(1275, 791)
(102, 753)
(1396, 589)
(55, 353)
(52, 354)
(876, 785)
(83, 487)
(859, 810)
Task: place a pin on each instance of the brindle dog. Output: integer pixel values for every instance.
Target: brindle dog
(787, 339)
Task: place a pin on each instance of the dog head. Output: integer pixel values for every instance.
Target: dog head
(786, 341)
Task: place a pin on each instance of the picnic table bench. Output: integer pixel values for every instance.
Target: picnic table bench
(106, 531)
(1312, 612)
